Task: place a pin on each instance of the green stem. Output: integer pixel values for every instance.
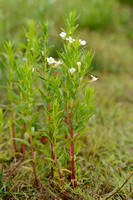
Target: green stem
(13, 128)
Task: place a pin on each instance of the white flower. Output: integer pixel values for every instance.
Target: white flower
(31, 49)
(72, 70)
(70, 39)
(82, 42)
(59, 62)
(50, 60)
(93, 78)
(79, 66)
(63, 35)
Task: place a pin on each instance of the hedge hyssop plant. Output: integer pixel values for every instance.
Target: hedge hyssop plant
(68, 99)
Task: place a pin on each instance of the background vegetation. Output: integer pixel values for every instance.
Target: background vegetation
(107, 26)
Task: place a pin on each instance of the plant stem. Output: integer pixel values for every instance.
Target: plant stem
(72, 154)
(52, 156)
(66, 137)
(23, 125)
(33, 162)
(72, 108)
(72, 144)
(13, 128)
(121, 186)
(59, 172)
(23, 153)
(23, 145)
(52, 153)
(68, 162)
(32, 153)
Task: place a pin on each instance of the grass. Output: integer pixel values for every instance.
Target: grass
(112, 54)
(126, 1)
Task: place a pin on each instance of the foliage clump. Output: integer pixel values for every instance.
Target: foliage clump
(51, 101)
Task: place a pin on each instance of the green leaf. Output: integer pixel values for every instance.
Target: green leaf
(22, 141)
(50, 159)
(27, 161)
(43, 99)
(34, 116)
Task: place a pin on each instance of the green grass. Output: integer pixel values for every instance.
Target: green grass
(126, 1)
(112, 53)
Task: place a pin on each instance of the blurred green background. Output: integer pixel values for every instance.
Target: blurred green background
(106, 25)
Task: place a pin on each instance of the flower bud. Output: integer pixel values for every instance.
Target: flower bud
(43, 53)
(79, 66)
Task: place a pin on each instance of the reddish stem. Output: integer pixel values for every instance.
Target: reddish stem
(52, 154)
(23, 153)
(72, 144)
(13, 128)
(72, 108)
(33, 162)
(68, 162)
(72, 154)
(59, 172)
(121, 186)
(23, 145)
(66, 123)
